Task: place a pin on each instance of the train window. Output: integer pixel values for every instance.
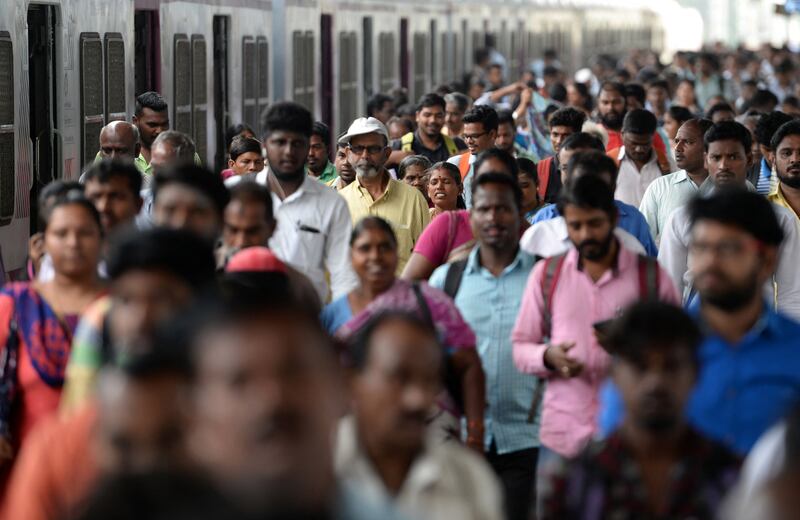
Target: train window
(435, 60)
(420, 64)
(249, 70)
(199, 96)
(182, 85)
(262, 48)
(92, 113)
(7, 148)
(387, 61)
(369, 79)
(303, 63)
(348, 78)
(115, 77)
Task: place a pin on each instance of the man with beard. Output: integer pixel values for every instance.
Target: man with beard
(376, 193)
(672, 191)
(611, 109)
(786, 159)
(428, 139)
(665, 467)
(565, 297)
(727, 155)
(765, 129)
(345, 171)
(480, 132)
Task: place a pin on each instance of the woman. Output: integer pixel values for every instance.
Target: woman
(529, 184)
(445, 188)
(578, 97)
(674, 117)
(38, 319)
(413, 171)
(373, 252)
(245, 157)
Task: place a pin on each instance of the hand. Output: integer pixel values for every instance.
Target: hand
(475, 436)
(525, 97)
(557, 359)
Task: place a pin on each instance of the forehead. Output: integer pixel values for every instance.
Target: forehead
(117, 134)
(431, 109)
(249, 156)
(637, 138)
(610, 95)
(688, 131)
(316, 139)
(790, 141)
(561, 130)
(713, 230)
(176, 192)
(493, 164)
(112, 182)
(399, 342)
(283, 135)
(242, 206)
(152, 115)
(493, 193)
(574, 213)
(726, 146)
(416, 169)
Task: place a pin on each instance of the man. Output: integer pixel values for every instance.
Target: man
(721, 112)
(708, 82)
(151, 118)
(480, 132)
(639, 162)
(766, 127)
(385, 448)
(428, 139)
(506, 137)
(667, 193)
(119, 140)
(313, 222)
(114, 188)
(346, 173)
(564, 122)
(548, 234)
(375, 192)
(318, 161)
(635, 96)
(611, 109)
(786, 159)
(496, 271)
(554, 338)
(381, 107)
(658, 98)
(667, 468)
(456, 105)
(727, 155)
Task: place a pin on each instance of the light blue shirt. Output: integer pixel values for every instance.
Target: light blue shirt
(490, 306)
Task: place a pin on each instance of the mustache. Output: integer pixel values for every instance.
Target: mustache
(415, 417)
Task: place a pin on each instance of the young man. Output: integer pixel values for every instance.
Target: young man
(381, 107)
(151, 118)
(114, 188)
(766, 127)
(506, 137)
(480, 132)
(318, 161)
(496, 271)
(564, 123)
(786, 159)
(428, 139)
(346, 173)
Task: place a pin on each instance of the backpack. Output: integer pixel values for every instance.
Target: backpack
(406, 143)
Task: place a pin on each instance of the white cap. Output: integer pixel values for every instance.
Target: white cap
(362, 126)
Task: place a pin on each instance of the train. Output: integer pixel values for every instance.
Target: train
(68, 67)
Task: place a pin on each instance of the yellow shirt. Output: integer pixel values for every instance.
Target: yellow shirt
(401, 205)
(776, 197)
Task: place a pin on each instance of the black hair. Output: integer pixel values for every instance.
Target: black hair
(588, 191)
(431, 99)
(679, 114)
(739, 208)
(483, 114)
(480, 55)
(569, 117)
(151, 100)
(763, 99)
(54, 190)
(557, 92)
(505, 117)
(450, 168)
(412, 160)
(528, 169)
(359, 344)
(792, 101)
(767, 125)
(659, 83)
(241, 145)
(511, 183)
(235, 130)
(195, 177)
(372, 223)
(501, 155)
(321, 129)
(637, 91)
(376, 102)
(551, 70)
(583, 90)
(406, 109)
(640, 122)
(613, 86)
(400, 121)
(651, 326)
(288, 116)
(107, 169)
(593, 162)
(790, 128)
(729, 130)
(251, 191)
(583, 140)
(75, 198)
(719, 107)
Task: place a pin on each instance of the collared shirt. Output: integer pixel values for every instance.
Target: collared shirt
(139, 162)
(328, 174)
(632, 182)
(550, 238)
(336, 184)
(490, 305)
(570, 406)
(630, 219)
(403, 206)
(666, 194)
(782, 290)
(441, 153)
(776, 197)
(445, 480)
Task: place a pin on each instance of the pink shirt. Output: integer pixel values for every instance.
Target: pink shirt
(444, 234)
(570, 406)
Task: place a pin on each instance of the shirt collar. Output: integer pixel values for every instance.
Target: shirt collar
(680, 176)
(386, 193)
(622, 155)
(474, 263)
(767, 325)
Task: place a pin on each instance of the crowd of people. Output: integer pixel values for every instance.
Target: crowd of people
(521, 297)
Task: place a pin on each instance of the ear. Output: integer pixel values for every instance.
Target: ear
(770, 261)
(231, 162)
(705, 160)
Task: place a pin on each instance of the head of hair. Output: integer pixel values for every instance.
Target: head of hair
(569, 117)
(501, 155)
(462, 101)
(557, 92)
(372, 223)
(180, 143)
(583, 140)
(480, 55)
(251, 191)
(409, 126)
(719, 107)
(241, 145)
(107, 169)
(640, 122)
(412, 160)
(593, 162)
(637, 91)
(750, 212)
(287, 116)
(483, 114)
(197, 178)
(767, 125)
(406, 110)
(375, 103)
(551, 70)
(679, 114)
(235, 130)
(505, 117)
(512, 183)
(50, 193)
(789, 128)
(451, 170)
(73, 198)
(431, 99)
(528, 169)
(658, 83)
(358, 347)
(763, 100)
(792, 101)
(588, 192)
(321, 129)
(151, 100)
(613, 86)
(729, 130)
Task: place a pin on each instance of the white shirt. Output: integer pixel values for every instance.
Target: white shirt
(550, 238)
(445, 481)
(631, 182)
(665, 195)
(782, 291)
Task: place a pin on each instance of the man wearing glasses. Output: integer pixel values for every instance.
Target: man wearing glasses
(480, 131)
(376, 193)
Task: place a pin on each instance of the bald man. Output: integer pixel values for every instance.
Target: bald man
(118, 140)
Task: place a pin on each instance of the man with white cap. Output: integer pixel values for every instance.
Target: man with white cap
(376, 193)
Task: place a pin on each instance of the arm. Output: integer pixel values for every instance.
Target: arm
(429, 249)
(468, 366)
(417, 268)
(674, 253)
(786, 278)
(337, 254)
(649, 209)
(528, 346)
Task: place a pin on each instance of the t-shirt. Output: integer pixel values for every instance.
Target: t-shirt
(336, 314)
(443, 235)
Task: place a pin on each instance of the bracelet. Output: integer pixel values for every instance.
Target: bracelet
(476, 424)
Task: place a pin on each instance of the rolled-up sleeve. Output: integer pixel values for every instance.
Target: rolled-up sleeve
(527, 339)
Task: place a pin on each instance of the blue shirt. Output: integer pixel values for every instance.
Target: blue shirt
(630, 219)
(490, 306)
(336, 314)
(743, 389)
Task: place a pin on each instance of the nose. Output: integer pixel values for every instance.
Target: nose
(414, 398)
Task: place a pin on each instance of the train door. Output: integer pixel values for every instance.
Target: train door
(147, 51)
(404, 64)
(368, 80)
(326, 43)
(221, 115)
(42, 87)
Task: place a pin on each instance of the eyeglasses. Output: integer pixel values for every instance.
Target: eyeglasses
(474, 137)
(726, 250)
(371, 150)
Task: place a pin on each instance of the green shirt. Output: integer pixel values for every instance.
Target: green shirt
(328, 174)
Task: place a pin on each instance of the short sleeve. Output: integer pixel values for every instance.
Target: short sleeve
(432, 243)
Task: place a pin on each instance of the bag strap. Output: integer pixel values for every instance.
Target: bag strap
(452, 281)
(552, 271)
(423, 305)
(406, 142)
(450, 144)
(648, 278)
(543, 172)
(463, 164)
